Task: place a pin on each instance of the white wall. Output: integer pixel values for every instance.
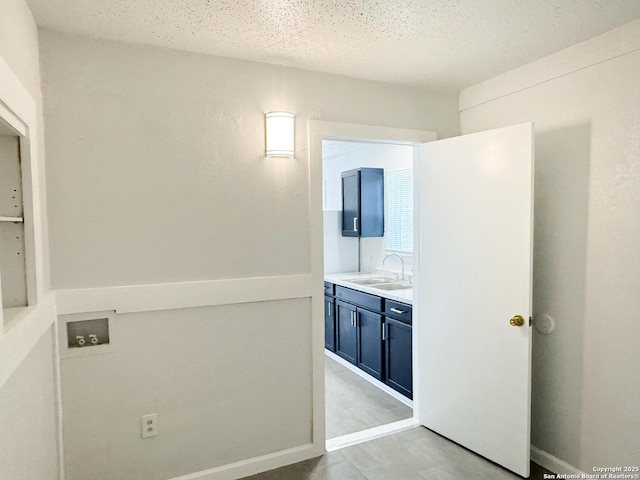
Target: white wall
(156, 174)
(225, 388)
(156, 164)
(340, 253)
(19, 44)
(372, 155)
(28, 435)
(389, 157)
(27, 418)
(585, 103)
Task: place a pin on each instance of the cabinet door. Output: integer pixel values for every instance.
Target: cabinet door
(398, 359)
(346, 334)
(371, 221)
(330, 323)
(351, 203)
(370, 342)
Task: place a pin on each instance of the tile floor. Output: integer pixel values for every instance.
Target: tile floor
(353, 404)
(416, 454)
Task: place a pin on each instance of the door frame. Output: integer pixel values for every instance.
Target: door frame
(317, 131)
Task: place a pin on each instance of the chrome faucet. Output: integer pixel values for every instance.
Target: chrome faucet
(401, 259)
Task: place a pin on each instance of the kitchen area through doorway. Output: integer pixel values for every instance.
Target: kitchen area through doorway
(367, 191)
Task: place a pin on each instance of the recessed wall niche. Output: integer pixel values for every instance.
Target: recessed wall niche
(12, 242)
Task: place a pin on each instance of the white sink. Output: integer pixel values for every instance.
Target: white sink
(392, 286)
(370, 280)
(380, 283)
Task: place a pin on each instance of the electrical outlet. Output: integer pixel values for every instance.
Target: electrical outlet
(149, 425)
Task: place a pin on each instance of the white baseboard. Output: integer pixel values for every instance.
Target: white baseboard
(255, 465)
(553, 464)
(371, 434)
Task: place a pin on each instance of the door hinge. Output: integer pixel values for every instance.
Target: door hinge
(530, 321)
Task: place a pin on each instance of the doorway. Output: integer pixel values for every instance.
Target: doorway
(494, 257)
(355, 401)
(348, 145)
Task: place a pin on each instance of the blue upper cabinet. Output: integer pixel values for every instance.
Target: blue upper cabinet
(363, 202)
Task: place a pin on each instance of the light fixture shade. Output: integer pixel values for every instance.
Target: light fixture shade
(279, 128)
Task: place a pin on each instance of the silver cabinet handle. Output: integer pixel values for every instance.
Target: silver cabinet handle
(329, 308)
(385, 334)
(395, 310)
(355, 224)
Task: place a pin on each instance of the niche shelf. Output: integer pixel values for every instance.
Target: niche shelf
(13, 275)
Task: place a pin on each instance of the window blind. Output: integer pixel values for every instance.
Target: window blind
(398, 210)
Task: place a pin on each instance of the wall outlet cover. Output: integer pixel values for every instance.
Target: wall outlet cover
(149, 425)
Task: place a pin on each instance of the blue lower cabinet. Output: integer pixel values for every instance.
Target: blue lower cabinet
(370, 346)
(398, 358)
(372, 333)
(346, 332)
(330, 323)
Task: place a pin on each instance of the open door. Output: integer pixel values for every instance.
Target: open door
(475, 210)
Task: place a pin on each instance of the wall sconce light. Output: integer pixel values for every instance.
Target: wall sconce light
(279, 127)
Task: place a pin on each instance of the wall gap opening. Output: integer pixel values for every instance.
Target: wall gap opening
(359, 407)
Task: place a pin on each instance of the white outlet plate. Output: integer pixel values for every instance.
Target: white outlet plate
(149, 425)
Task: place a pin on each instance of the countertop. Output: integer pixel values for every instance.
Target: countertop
(404, 295)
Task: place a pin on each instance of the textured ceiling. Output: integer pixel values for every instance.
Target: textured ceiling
(439, 44)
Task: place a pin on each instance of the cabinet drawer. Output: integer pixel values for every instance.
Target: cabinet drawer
(361, 299)
(399, 311)
(329, 289)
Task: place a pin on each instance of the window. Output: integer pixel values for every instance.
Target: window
(398, 208)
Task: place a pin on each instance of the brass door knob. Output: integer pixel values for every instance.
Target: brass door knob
(517, 321)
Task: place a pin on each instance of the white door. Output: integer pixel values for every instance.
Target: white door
(475, 207)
